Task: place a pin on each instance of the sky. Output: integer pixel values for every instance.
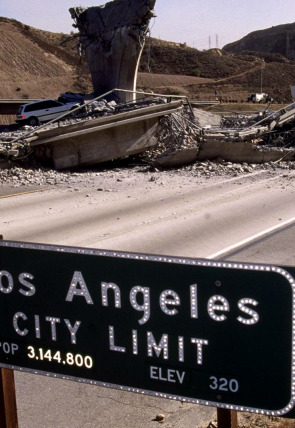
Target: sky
(199, 24)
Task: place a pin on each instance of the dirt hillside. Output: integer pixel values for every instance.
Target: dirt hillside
(36, 64)
(232, 76)
(278, 39)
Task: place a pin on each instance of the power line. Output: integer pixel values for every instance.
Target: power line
(288, 46)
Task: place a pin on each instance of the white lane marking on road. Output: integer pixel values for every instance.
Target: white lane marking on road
(252, 238)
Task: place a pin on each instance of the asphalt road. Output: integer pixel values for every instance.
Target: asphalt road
(277, 248)
(248, 219)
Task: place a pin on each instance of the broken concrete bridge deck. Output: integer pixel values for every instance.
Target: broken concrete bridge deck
(102, 139)
(132, 129)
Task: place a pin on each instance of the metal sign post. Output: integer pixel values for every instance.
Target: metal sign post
(211, 333)
(227, 418)
(8, 409)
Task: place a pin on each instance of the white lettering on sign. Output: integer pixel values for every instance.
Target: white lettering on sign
(53, 322)
(145, 307)
(73, 329)
(104, 294)
(243, 306)
(20, 323)
(169, 303)
(194, 300)
(213, 307)
(113, 347)
(7, 283)
(159, 349)
(8, 287)
(37, 327)
(173, 301)
(19, 331)
(82, 290)
(218, 307)
(166, 375)
(223, 384)
(181, 349)
(9, 348)
(23, 277)
(199, 343)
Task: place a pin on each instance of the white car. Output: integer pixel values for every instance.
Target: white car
(41, 111)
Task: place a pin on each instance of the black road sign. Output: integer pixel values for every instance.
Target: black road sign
(212, 333)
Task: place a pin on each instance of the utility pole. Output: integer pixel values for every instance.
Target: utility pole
(261, 77)
(209, 42)
(288, 46)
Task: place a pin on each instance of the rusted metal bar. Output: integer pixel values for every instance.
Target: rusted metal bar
(227, 418)
(8, 409)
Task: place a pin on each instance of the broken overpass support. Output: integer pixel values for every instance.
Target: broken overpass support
(112, 37)
(101, 139)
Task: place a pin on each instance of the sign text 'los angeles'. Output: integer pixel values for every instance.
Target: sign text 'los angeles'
(206, 332)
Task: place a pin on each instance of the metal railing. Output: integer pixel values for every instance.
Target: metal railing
(89, 102)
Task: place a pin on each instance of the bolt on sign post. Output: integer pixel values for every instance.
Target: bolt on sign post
(211, 333)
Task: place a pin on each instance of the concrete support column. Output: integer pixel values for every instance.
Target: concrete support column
(113, 37)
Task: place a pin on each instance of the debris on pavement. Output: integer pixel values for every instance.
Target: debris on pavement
(160, 418)
(37, 176)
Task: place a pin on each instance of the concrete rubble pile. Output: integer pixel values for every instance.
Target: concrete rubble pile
(11, 149)
(284, 138)
(245, 127)
(18, 177)
(181, 138)
(256, 138)
(240, 121)
(221, 168)
(176, 133)
(281, 136)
